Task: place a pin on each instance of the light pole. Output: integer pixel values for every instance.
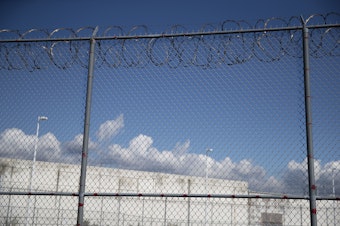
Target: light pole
(205, 184)
(40, 118)
(333, 184)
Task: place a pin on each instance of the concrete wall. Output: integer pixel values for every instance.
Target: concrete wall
(62, 210)
(103, 210)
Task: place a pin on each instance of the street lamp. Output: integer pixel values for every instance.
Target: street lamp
(205, 183)
(207, 167)
(40, 118)
(333, 184)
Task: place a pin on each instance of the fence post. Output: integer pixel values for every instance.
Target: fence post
(84, 156)
(309, 135)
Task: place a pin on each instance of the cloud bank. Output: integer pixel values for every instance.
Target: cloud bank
(110, 128)
(140, 154)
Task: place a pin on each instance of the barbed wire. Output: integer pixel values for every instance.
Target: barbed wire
(231, 42)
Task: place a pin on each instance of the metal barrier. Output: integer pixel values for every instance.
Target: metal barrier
(214, 127)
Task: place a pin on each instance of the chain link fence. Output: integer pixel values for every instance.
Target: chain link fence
(126, 127)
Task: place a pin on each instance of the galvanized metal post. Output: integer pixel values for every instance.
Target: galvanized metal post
(309, 135)
(80, 216)
(189, 192)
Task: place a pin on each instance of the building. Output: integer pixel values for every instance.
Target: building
(134, 208)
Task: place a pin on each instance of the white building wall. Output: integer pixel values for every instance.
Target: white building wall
(103, 210)
(62, 210)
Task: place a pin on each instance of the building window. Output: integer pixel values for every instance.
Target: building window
(271, 219)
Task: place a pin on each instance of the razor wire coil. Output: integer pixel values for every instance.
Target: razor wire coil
(174, 48)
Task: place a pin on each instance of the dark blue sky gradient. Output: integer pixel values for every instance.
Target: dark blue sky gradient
(23, 14)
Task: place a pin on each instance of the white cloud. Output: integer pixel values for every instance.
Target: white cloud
(140, 154)
(271, 184)
(181, 148)
(71, 150)
(140, 144)
(303, 167)
(295, 178)
(14, 143)
(110, 128)
(74, 146)
(49, 147)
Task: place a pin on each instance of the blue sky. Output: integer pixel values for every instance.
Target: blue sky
(255, 126)
(22, 14)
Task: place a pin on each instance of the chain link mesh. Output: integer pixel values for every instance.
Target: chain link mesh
(206, 128)
(325, 82)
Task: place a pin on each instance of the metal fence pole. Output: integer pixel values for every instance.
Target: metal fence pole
(86, 132)
(309, 135)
